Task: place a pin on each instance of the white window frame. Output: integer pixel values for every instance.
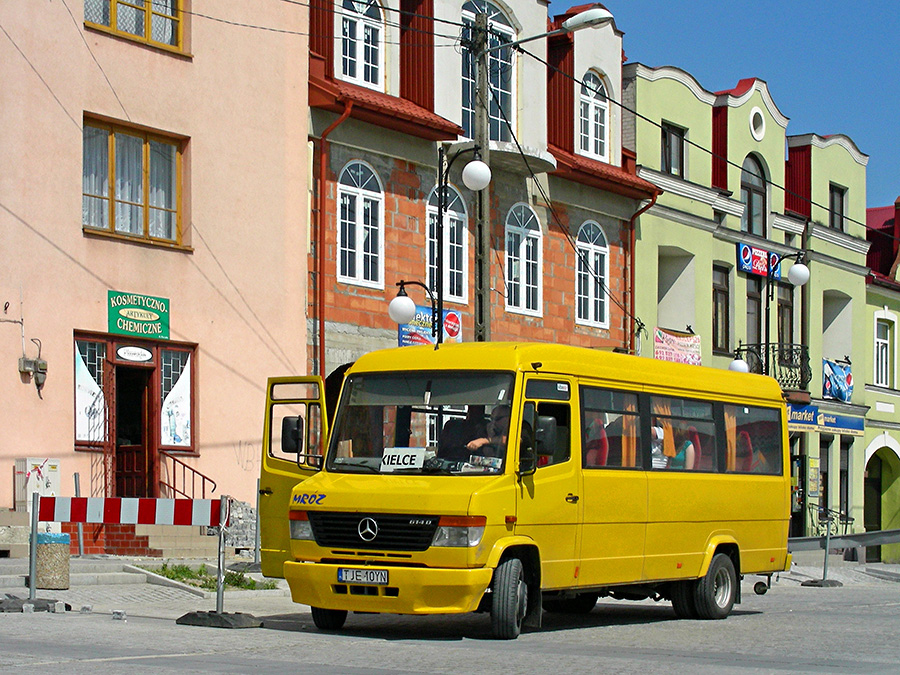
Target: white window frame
(455, 245)
(359, 183)
(524, 261)
(366, 43)
(885, 351)
(591, 274)
(500, 63)
(592, 128)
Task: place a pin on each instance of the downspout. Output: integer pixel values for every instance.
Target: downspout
(320, 232)
(631, 273)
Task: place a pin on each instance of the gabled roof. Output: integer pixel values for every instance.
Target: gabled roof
(600, 175)
(375, 107)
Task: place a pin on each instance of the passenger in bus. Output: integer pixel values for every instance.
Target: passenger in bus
(457, 433)
(494, 442)
(657, 459)
(684, 457)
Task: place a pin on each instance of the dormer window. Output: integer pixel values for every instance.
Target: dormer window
(362, 43)
(594, 118)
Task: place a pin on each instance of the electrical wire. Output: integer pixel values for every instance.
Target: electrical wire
(693, 144)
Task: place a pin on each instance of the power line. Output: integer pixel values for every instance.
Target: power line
(689, 142)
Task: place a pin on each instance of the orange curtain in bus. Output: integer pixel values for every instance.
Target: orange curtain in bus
(662, 408)
(629, 435)
(730, 439)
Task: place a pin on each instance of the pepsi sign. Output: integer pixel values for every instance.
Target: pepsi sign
(753, 260)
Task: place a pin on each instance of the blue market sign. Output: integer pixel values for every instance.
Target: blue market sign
(810, 418)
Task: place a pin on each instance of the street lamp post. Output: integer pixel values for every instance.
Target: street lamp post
(798, 275)
(479, 49)
(476, 176)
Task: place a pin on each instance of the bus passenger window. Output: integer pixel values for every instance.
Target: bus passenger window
(610, 433)
(754, 443)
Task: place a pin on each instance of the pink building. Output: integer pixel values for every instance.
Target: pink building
(178, 133)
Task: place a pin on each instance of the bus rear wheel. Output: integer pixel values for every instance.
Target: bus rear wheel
(328, 619)
(715, 593)
(682, 593)
(509, 599)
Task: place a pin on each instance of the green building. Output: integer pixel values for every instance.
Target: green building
(754, 256)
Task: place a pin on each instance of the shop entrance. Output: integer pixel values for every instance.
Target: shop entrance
(872, 504)
(135, 454)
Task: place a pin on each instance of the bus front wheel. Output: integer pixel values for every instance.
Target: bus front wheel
(509, 599)
(328, 619)
(715, 593)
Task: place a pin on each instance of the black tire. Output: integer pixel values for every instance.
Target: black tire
(328, 619)
(715, 593)
(580, 604)
(509, 599)
(682, 593)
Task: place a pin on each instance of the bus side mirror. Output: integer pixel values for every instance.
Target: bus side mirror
(291, 435)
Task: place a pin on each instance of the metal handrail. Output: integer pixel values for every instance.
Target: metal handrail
(189, 478)
(788, 363)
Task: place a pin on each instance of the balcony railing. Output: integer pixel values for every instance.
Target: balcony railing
(788, 364)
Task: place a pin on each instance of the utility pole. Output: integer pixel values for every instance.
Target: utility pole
(482, 199)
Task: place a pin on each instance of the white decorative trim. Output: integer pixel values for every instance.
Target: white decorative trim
(845, 241)
(682, 188)
(669, 73)
(708, 97)
(821, 142)
(787, 224)
(883, 440)
(758, 85)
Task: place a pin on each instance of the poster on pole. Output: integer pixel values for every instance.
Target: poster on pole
(418, 331)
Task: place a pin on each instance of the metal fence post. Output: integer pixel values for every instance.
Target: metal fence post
(32, 556)
(80, 525)
(220, 571)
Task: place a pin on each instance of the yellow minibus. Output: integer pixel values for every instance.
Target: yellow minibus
(522, 478)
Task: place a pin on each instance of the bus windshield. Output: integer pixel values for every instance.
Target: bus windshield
(454, 423)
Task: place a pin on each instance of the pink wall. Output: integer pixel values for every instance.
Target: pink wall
(239, 96)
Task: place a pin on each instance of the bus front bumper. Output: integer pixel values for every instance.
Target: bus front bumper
(409, 590)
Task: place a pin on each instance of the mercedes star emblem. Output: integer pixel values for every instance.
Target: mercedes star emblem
(368, 529)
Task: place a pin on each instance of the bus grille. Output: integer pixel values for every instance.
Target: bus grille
(373, 531)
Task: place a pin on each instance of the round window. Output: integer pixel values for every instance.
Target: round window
(757, 124)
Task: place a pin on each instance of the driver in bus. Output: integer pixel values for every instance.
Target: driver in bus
(497, 434)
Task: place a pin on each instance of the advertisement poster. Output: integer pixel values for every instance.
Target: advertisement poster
(812, 480)
(837, 381)
(418, 331)
(676, 347)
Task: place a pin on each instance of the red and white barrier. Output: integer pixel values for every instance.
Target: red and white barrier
(130, 511)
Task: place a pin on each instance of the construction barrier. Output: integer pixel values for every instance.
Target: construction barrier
(131, 511)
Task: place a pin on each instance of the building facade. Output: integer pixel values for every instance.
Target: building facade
(715, 254)
(543, 253)
(136, 344)
(882, 440)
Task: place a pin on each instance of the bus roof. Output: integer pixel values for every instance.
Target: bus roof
(563, 359)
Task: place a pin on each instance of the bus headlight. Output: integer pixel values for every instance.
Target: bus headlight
(460, 532)
(300, 527)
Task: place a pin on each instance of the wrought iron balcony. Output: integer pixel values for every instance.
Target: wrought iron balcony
(787, 363)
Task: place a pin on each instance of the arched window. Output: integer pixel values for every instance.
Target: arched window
(361, 235)
(593, 271)
(753, 196)
(523, 261)
(593, 118)
(456, 262)
(362, 43)
(500, 101)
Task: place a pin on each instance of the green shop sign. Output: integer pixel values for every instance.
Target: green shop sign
(138, 315)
